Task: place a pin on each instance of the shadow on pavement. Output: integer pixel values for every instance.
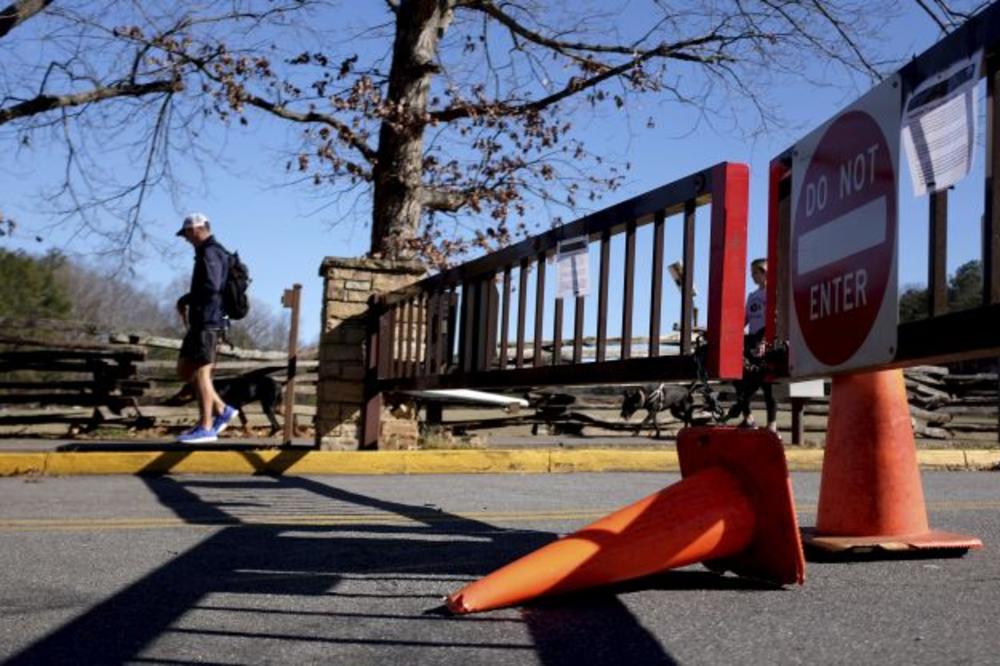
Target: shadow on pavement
(876, 554)
(411, 555)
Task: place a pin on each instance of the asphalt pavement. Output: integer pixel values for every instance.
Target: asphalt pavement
(352, 569)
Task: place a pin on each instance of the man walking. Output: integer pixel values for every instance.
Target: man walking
(202, 313)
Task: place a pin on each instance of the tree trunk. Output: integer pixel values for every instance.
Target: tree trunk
(398, 172)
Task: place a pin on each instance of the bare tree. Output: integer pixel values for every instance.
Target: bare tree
(472, 113)
(440, 108)
(111, 303)
(96, 79)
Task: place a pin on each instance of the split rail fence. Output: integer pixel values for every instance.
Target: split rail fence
(60, 377)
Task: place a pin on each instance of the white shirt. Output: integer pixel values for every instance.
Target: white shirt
(756, 305)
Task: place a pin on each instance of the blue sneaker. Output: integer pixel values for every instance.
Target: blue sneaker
(222, 420)
(197, 435)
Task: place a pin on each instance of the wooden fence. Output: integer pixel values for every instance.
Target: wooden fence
(63, 378)
(49, 386)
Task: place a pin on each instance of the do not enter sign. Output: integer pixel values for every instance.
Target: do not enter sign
(843, 238)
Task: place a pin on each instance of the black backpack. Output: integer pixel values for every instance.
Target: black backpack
(235, 301)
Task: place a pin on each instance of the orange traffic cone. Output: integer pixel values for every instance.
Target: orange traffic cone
(870, 494)
(733, 507)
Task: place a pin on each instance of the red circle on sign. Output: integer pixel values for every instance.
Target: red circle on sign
(842, 247)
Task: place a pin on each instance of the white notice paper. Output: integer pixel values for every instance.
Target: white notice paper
(571, 268)
(939, 126)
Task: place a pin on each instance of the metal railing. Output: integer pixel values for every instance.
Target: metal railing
(454, 329)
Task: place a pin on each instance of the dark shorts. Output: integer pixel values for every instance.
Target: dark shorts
(199, 344)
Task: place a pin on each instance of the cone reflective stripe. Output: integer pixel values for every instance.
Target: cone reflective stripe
(870, 490)
(714, 513)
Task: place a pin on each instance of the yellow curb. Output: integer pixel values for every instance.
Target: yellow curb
(226, 462)
(336, 462)
(943, 459)
(99, 462)
(295, 463)
(804, 460)
(212, 462)
(17, 464)
(301, 462)
(476, 462)
(611, 460)
(982, 459)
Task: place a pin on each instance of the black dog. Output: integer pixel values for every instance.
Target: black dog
(675, 399)
(240, 391)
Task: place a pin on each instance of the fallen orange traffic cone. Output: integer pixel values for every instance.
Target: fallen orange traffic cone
(733, 507)
(870, 494)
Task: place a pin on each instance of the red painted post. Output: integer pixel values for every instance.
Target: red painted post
(727, 272)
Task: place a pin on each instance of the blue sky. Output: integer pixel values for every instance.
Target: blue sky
(284, 232)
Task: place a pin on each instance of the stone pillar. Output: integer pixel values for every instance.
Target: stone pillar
(347, 285)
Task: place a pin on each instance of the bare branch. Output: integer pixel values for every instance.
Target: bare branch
(490, 9)
(44, 103)
(575, 85)
(850, 42)
(954, 15)
(934, 17)
(17, 13)
(145, 181)
(344, 132)
(444, 200)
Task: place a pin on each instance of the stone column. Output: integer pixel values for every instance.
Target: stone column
(347, 285)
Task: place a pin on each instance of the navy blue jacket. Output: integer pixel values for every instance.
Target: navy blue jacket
(204, 299)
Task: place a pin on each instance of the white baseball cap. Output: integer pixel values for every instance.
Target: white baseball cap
(192, 221)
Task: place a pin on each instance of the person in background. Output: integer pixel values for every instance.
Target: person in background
(201, 311)
(754, 367)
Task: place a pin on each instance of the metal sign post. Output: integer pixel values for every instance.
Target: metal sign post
(290, 299)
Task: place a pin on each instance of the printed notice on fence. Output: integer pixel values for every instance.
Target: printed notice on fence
(571, 268)
(939, 126)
